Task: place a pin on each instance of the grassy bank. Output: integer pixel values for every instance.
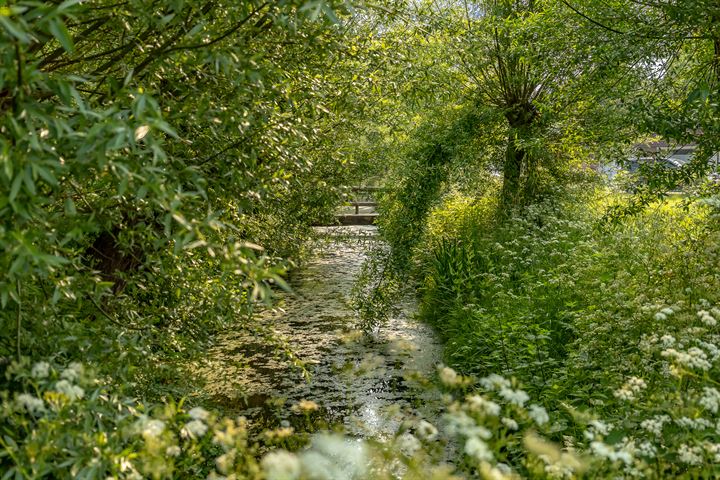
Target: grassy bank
(616, 320)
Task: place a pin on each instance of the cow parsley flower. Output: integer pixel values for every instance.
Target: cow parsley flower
(539, 414)
(333, 457)
(706, 318)
(517, 397)
(225, 462)
(655, 425)
(600, 427)
(73, 392)
(711, 348)
(199, 413)
(476, 448)
(690, 455)
(173, 451)
(693, 358)
(710, 399)
(714, 450)
(40, 370)
(461, 423)
(630, 389)
(494, 381)
(72, 372)
(408, 444)
(606, 451)
(510, 424)
(32, 404)
(150, 428)
(477, 403)
(693, 424)
(194, 429)
(426, 431)
(448, 376)
(647, 449)
(281, 465)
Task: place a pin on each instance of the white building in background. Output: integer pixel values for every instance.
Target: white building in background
(659, 153)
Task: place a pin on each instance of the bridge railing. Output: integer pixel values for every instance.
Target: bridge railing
(361, 196)
(364, 197)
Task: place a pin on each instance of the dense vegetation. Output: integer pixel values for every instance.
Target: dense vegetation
(163, 162)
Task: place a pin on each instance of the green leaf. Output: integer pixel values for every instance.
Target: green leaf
(13, 30)
(70, 207)
(15, 188)
(60, 32)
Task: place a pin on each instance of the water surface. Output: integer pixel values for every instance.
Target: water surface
(368, 383)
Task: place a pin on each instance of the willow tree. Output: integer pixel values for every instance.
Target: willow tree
(158, 159)
(549, 76)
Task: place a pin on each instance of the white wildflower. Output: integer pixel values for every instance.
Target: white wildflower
(693, 424)
(448, 376)
(603, 450)
(477, 403)
(711, 348)
(706, 318)
(714, 450)
(710, 399)
(194, 429)
(494, 381)
(600, 427)
(517, 397)
(173, 451)
(152, 428)
(426, 431)
(281, 465)
(40, 370)
(461, 423)
(510, 424)
(557, 470)
(630, 389)
(690, 455)
(660, 317)
(73, 392)
(539, 414)
(333, 457)
(225, 462)
(655, 425)
(476, 448)
(72, 372)
(667, 341)
(32, 404)
(693, 358)
(408, 444)
(647, 449)
(199, 413)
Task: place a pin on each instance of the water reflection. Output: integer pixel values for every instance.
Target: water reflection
(365, 383)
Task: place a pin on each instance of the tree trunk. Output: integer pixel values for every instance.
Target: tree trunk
(512, 169)
(520, 118)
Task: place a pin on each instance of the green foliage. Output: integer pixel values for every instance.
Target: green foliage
(65, 423)
(160, 170)
(616, 323)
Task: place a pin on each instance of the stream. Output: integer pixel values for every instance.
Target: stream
(369, 383)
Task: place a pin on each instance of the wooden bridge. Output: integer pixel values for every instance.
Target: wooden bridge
(360, 209)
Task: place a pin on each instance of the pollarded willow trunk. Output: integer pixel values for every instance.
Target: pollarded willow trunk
(520, 119)
(512, 170)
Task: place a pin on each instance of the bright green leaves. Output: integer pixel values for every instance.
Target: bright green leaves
(146, 144)
(60, 32)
